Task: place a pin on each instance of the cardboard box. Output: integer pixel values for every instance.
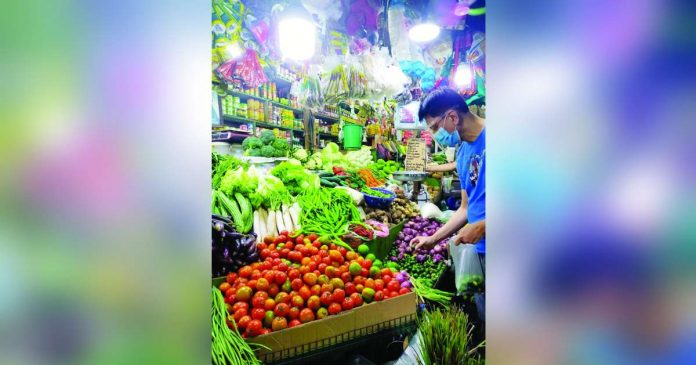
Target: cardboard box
(364, 320)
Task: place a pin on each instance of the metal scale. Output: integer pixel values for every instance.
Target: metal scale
(411, 182)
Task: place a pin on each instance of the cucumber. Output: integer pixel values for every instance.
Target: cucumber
(325, 174)
(245, 208)
(327, 183)
(231, 207)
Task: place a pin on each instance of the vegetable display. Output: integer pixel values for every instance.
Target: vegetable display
(265, 145)
(385, 168)
(228, 346)
(238, 209)
(445, 338)
(230, 249)
(428, 271)
(369, 178)
(221, 164)
(300, 280)
(327, 212)
(376, 193)
(295, 178)
(402, 208)
(419, 226)
(359, 159)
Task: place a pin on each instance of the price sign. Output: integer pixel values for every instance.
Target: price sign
(415, 155)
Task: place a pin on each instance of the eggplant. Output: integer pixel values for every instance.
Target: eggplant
(253, 257)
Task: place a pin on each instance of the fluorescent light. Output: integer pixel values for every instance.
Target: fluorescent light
(424, 32)
(463, 75)
(297, 38)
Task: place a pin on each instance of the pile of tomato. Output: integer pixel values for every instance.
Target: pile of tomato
(300, 280)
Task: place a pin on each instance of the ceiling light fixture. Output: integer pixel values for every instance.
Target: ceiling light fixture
(424, 32)
(297, 38)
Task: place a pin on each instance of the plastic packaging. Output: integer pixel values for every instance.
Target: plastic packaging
(465, 260)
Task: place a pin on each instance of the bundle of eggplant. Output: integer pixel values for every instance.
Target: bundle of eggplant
(231, 249)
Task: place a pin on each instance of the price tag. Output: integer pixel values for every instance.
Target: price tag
(415, 155)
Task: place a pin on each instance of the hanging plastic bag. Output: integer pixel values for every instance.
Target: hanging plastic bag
(466, 262)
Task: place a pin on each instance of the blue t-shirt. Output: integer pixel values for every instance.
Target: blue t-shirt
(471, 167)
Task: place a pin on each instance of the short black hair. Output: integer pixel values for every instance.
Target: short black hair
(439, 101)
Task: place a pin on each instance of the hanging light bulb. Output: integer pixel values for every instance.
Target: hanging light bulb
(297, 38)
(463, 76)
(424, 32)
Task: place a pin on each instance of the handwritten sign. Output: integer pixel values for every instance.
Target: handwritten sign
(415, 155)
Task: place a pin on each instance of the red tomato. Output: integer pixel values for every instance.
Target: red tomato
(299, 240)
(262, 284)
(346, 277)
(269, 275)
(264, 331)
(293, 274)
(334, 255)
(254, 327)
(315, 289)
(265, 253)
(297, 301)
(386, 278)
(289, 245)
(268, 240)
(283, 233)
(303, 270)
(339, 295)
(243, 294)
(313, 302)
(350, 288)
(306, 315)
(294, 313)
(294, 323)
(296, 284)
(258, 313)
(312, 237)
(379, 284)
(230, 291)
(305, 261)
(231, 277)
(334, 308)
(304, 292)
(280, 239)
(273, 290)
(310, 279)
(266, 265)
(366, 264)
(252, 284)
(326, 260)
(243, 322)
(364, 272)
(258, 302)
(359, 280)
(255, 275)
(245, 271)
(238, 314)
(280, 277)
(326, 298)
(282, 309)
(359, 288)
(370, 283)
(313, 251)
(261, 294)
(279, 323)
(393, 286)
(326, 288)
(379, 295)
(342, 251)
(403, 291)
(283, 267)
(330, 271)
(269, 304)
(347, 304)
(275, 255)
(282, 297)
(357, 299)
(240, 305)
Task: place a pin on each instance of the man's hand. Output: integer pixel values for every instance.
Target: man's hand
(422, 241)
(471, 233)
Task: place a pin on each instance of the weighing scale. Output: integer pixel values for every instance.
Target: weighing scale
(412, 182)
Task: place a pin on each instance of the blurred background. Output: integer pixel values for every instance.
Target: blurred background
(104, 182)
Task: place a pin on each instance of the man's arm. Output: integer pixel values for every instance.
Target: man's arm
(471, 233)
(450, 166)
(455, 222)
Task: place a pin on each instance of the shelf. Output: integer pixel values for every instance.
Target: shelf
(286, 107)
(236, 119)
(246, 96)
(325, 117)
(272, 126)
(327, 135)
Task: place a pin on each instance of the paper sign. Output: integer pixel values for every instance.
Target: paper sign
(415, 155)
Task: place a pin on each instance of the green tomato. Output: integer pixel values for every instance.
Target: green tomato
(370, 257)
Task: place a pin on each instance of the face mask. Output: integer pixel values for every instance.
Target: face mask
(447, 139)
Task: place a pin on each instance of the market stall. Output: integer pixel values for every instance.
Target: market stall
(319, 181)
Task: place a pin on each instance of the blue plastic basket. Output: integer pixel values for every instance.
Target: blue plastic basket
(380, 203)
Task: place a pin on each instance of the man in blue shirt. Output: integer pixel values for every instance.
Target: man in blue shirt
(451, 123)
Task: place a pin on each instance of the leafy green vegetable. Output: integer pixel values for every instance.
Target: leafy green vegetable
(281, 144)
(300, 154)
(254, 152)
(295, 178)
(267, 137)
(446, 338)
(268, 151)
(252, 142)
(240, 180)
(221, 165)
(271, 193)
